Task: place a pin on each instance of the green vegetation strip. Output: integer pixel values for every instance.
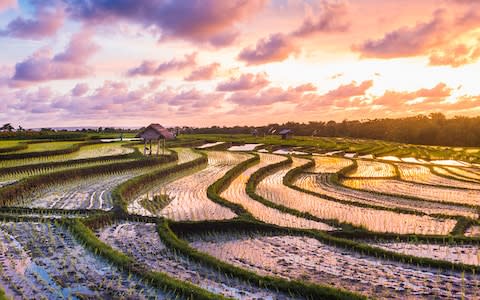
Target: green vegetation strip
(47, 211)
(326, 238)
(261, 173)
(292, 287)
(73, 148)
(2, 294)
(68, 163)
(214, 190)
(463, 179)
(17, 147)
(9, 194)
(157, 279)
(338, 181)
(126, 191)
(290, 177)
(459, 229)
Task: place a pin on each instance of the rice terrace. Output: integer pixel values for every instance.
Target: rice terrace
(239, 149)
(208, 216)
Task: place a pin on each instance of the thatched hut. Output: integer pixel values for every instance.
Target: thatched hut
(157, 133)
(285, 133)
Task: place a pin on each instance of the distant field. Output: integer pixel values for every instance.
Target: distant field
(360, 146)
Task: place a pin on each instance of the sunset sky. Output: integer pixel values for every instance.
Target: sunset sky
(217, 62)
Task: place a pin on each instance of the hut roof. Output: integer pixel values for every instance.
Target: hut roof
(157, 130)
(285, 131)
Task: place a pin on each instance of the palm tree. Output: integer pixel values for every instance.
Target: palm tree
(7, 127)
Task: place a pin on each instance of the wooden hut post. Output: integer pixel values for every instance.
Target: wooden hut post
(144, 146)
(150, 147)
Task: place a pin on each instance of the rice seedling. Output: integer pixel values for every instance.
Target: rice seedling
(47, 146)
(473, 231)
(86, 188)
(264, 225)
(308, 259)
(422, 174)
(465, 173)
(41, 260)
(465, 254)
(273, 189)
(84, 152)
(329, 164)
(244, 148)
(189, 194)
(370, 168)
(409, 189)
(154, 255)
(325, 186)
(236, 193)
(210, 145)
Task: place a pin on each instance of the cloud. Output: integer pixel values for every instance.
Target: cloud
(80, 89)
(208, 21)
(270, 96)
(46, 22)
(6, 4)
(331, 18)
(407, 41)
(203, 73)
(349, 90)
(224, 39)
(71, 63)
(438, 38)
(307, 87)
(151, 68)
(244, 82)
(154, 84)
(277, 47)
(80, 48)
(393, 99)
(343, 96)
(456, 56)
(464, 1)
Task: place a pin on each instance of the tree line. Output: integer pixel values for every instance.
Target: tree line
(434, 129)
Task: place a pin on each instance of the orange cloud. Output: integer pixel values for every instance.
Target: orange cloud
(203, 73)
(393, 99)
(151, 68)
(244, 82)
(457, 56)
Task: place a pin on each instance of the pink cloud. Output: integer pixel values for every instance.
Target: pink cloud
(350, 90)
(71, 63)
(270, 96)
(331, 18)
(224, 39)
(203, 73)
(80, 89)
(340, 96)
(209, 21)
(5, 4)
(80, 48)
(277, 47)
(395, 99)
(46, 22)
(407, 41)
(307, 87)
(151, 68)
(244, 82)
(154, 84)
